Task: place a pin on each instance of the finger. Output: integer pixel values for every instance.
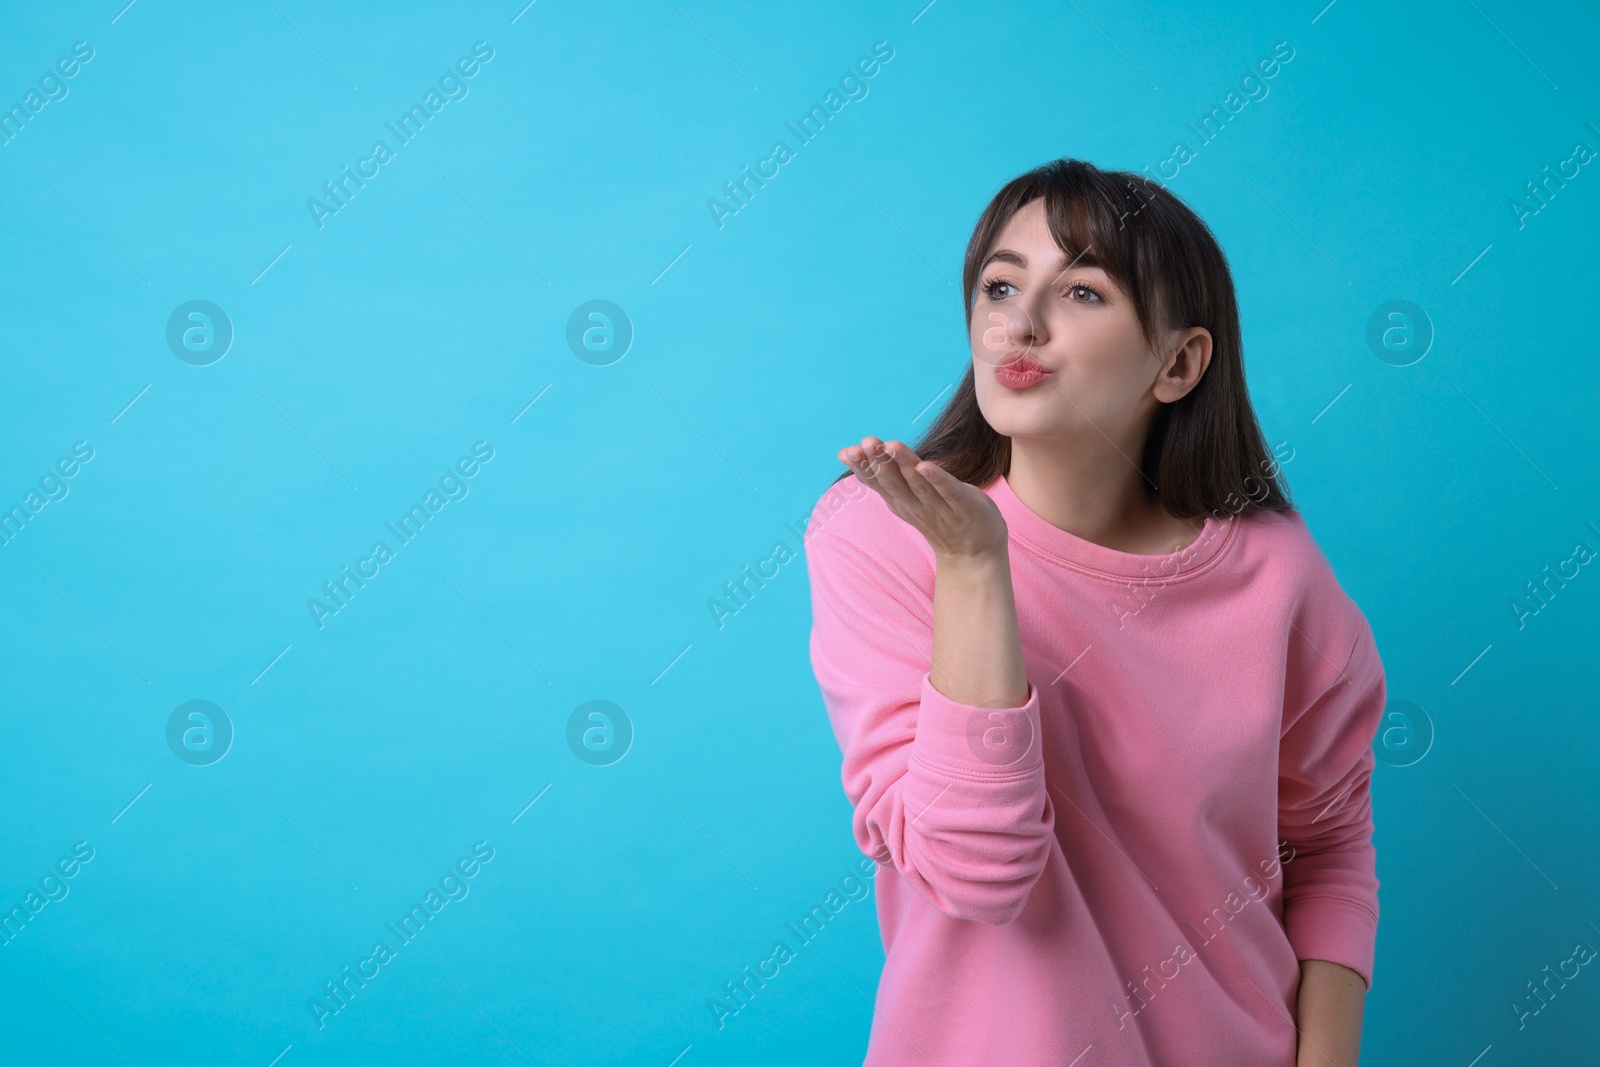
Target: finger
(865, 455)
(872, 459)
(891, 481)
(906, 458)
(859, 459)
(944, 483)
(873, 472)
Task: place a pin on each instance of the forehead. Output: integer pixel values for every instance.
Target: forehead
(1027, 224)
(1026, 243)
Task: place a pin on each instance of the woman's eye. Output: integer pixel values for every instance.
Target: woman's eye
(992, 287)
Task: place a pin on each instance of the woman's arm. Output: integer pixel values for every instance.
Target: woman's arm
(947, 789)
(1332, 997)
(977, 651)
(1330, 888)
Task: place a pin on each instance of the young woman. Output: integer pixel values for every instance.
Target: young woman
(1105, 712)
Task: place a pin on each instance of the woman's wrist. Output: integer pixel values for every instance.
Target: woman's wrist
(974, 562)
(977, 652)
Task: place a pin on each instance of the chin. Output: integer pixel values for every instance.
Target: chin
(1010, 417)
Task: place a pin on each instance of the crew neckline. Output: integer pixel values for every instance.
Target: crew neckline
(1070, 550)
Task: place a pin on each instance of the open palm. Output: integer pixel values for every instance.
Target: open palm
(958, 520)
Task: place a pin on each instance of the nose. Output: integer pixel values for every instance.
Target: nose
(1024, 327)
(1009, 327)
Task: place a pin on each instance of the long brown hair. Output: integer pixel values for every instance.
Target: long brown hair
(1205, 453)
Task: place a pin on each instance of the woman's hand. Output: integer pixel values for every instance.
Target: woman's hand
(958, 520)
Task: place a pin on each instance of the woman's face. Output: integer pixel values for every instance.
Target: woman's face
(1102, 378)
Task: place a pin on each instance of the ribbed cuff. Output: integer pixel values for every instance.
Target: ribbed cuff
(1333, 929)
(978, 742)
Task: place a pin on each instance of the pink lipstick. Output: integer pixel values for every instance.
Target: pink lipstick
(1020, 371)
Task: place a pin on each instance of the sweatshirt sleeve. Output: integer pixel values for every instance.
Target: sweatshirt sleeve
(951, 795)
(1330, 896)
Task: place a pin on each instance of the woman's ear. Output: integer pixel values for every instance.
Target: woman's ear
(1189, 354)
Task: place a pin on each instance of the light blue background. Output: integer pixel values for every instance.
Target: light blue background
(430, 312)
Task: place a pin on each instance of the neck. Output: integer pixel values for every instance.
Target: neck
(1090, 488)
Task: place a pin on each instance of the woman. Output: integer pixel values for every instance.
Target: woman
(1105, 712)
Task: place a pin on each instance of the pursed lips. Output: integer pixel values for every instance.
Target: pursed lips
(1021, 362)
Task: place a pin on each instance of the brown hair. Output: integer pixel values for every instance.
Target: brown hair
(1202, 452)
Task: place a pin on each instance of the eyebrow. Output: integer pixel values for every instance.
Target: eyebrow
(1087, 259)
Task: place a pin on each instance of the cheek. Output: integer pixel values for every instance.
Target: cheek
(1110, 360)
(1109, 380)
(989, 337)
(1095, 387)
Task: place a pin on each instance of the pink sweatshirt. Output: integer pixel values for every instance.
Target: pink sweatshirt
(1125, 869)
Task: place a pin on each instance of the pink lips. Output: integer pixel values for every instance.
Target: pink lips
(1020, 371)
